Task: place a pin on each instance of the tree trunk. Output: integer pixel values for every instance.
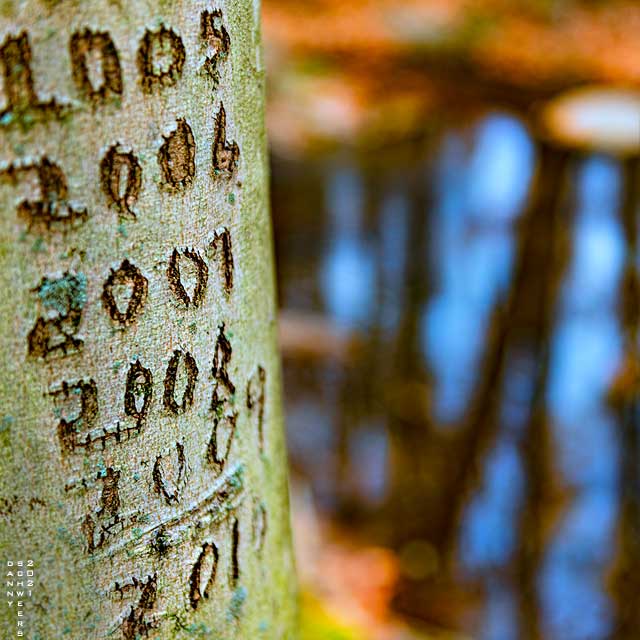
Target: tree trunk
(143, 477)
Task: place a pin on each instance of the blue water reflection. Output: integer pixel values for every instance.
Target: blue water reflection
(587, 351)
(481, 179)
(479, 195)
(499, 169)
(348, 274)
(392, 258)
(574, 603)
(488, 533)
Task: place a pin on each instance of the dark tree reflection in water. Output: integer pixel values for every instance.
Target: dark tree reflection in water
(474, 413)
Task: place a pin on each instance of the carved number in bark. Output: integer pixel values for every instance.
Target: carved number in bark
(129, 276)
(121, 178)
(256, 392)
(136, 625)
(19, 89)
(161, 57)
(219, 371)
(201, 276)
(234, 571)
(50, 210)
(77, 407)
(97, 48)
(221, 248)
(177, 156)
(138, 392)
(259, 526)
(222, 436)
(224, 425)
(203, 574)
(224, 155)
(81, 400)
(217, 41)
(63, 300)
(170, 382)
(169, 474)
(110, 496)
(101, 527)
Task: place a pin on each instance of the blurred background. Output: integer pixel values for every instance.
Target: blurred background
(455, 192)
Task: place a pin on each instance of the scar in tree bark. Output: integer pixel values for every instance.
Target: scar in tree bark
(95, 47)
(161, 58)
(23, 103)
(205, 570)
(256, 391)
(81, 401)
(217, 41)
(224, 155)
(50, 210)
(177, 156)
(138, 392)
(121, 178)
(136, 625)
(175, 281)
(127, 275)
(223, 254)
(169, 475)
(55, 333)
(170, 382)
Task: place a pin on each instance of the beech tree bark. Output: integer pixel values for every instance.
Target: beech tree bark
(143, 487)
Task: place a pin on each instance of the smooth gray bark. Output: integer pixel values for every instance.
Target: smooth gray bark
(143, 469)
